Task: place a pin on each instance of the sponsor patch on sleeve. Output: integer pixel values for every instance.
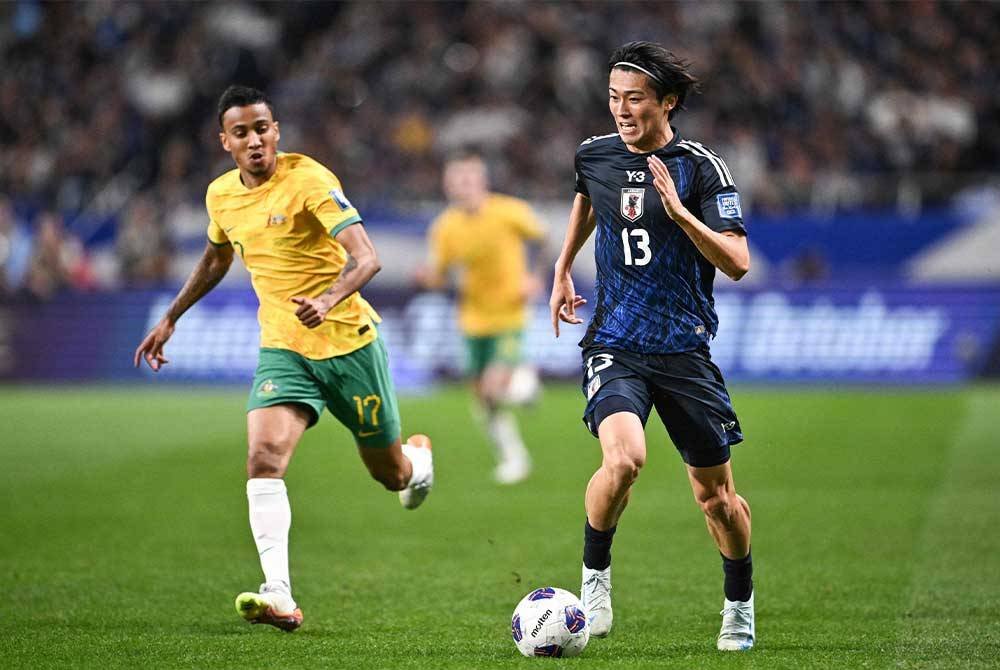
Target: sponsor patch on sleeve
(729, 205)
(341, 199)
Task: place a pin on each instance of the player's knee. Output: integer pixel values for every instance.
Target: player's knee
(623, 466)
(266, 458)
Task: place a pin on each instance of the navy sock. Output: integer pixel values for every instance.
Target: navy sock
(739, 577)
(597, 546)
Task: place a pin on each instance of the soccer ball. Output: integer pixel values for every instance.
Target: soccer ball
(550, 622)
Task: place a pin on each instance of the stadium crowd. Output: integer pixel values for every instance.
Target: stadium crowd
(107, 123)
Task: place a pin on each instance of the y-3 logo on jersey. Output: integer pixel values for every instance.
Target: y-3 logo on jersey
(635, 175)
(632, 200)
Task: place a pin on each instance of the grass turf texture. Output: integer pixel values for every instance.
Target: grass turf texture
(125, 537)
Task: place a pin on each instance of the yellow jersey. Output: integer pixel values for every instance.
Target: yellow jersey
(487, 247)
(284, 230)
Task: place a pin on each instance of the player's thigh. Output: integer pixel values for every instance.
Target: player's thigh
(692, 401)
(282, 379)
(359, 392)
(613, 383)
(479, 351)
(623, 440)
(503, 357)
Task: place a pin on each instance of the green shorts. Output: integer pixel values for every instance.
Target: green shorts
(484, 350)
(355, 387)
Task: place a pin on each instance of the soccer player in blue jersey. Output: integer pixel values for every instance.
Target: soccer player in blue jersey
(667, 214)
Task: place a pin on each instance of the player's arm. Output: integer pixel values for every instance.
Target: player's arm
(433, 276)
(209, 271)
(535, 236)
(564, 300)
(727, 250)
(362, 265)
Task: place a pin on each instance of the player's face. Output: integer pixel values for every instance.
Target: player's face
(250, 135)
(641, 118)
(465, 182)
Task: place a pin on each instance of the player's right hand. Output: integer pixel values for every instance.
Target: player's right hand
(151, 348)
(564, 301)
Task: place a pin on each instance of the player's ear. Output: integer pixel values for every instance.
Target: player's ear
(224, 139)
(277, 132)
(669, 101)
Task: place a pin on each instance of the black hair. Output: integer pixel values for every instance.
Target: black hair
(670, 74)
(241, 96)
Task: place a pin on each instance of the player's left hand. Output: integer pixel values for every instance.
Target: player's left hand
(311, 311)
(665, 187)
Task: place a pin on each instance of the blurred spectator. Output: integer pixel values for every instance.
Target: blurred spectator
(143, 247)
(58, 260)
(821, 105)
(15, 249)
(809, 266)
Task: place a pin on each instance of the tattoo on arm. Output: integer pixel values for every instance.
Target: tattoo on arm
(206, 276)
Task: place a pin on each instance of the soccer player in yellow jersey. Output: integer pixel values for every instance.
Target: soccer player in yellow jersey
(484, 236)
(302, 241)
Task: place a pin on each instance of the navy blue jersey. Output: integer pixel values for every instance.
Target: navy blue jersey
(654, 288)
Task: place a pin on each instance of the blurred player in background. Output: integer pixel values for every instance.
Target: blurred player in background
(308, 255)
(667, 214)
(485, 237)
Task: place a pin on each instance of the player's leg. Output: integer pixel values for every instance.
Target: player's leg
(273, 433)
(404, 467)
(695, 407)
(727, 516)
(360, 393)
(493, 360)
(623, 453)
(284, 401)
(617, 408)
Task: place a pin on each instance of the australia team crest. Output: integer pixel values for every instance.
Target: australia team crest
(632, 199)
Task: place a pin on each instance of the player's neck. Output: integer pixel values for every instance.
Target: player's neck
(252, 181)
(472, 205)
(654, 142)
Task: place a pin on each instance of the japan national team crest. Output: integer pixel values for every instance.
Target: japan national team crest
(632, 199)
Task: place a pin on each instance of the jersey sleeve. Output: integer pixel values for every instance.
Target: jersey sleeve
(526, 222)
(720, 201)
(216, 235)
(581, 183)
(325, 199)
(438, 249)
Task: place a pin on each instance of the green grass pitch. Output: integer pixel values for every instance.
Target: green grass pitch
(125, 539)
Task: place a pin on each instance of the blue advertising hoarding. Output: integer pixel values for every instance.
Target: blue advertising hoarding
(875, 333)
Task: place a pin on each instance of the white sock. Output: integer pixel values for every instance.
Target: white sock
(503, 430)
(423, 465)
(270, 519)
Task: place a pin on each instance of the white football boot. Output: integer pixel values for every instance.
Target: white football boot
(513, 469)
(737, 632)
(418, 450)
(273, 605)
(595, 594)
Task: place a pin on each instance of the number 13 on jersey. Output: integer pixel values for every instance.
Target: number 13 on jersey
(641, 241)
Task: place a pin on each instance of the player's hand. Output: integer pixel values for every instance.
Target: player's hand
(151, 347)
(564, 301)
(311, 311)
(665, 187)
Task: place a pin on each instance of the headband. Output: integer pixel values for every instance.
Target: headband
(637, 67)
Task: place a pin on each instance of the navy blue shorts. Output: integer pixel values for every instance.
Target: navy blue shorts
(686, 389)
